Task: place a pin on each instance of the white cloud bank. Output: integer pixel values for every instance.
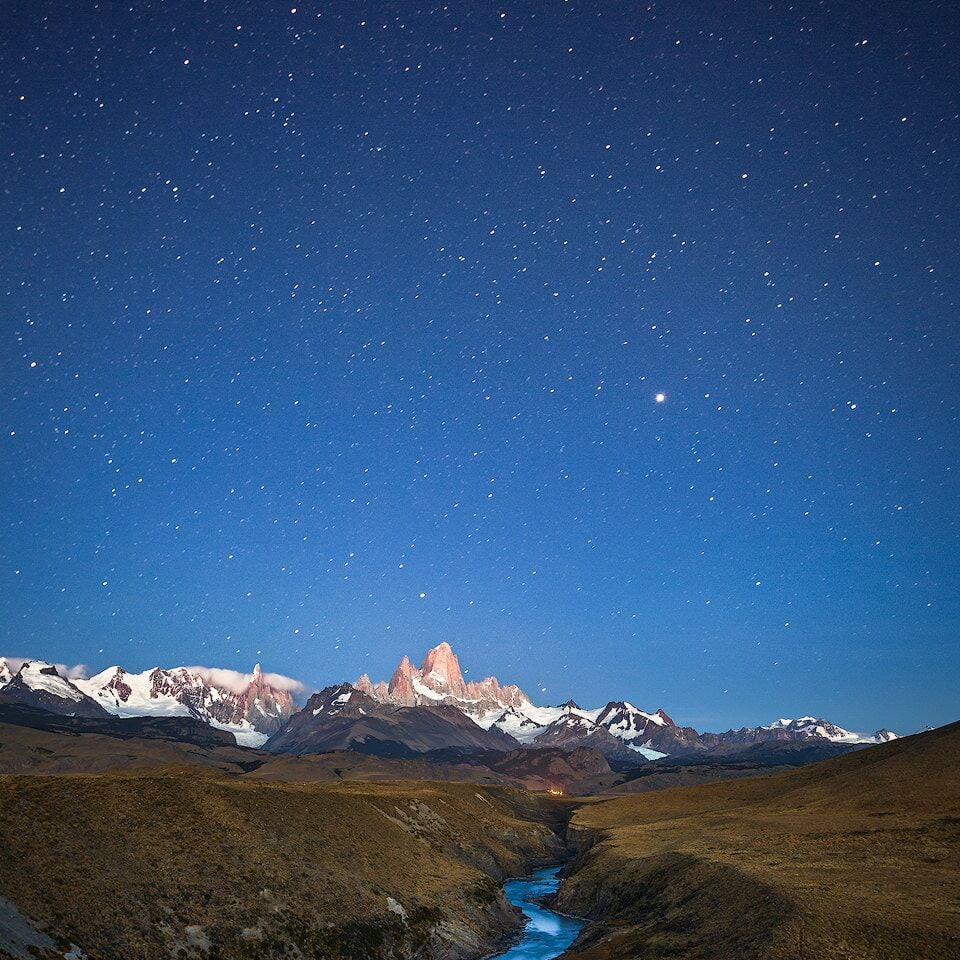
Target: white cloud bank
(236, 681)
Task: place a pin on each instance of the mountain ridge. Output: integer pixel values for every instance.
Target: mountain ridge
(256, 710)
(39, 684)
(617, 729)
(342, 717)
(246, 705)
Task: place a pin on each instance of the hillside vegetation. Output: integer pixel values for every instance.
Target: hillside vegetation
(852, 858)
(182, 862)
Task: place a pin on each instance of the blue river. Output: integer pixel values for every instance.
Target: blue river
(547, 934)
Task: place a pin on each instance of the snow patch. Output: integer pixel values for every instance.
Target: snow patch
(244, 733)
(396, 907)
(37, 675)
(425, 691)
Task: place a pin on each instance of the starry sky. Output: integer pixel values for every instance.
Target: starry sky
(335, 330)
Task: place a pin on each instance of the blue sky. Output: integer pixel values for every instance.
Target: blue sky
(335, 333)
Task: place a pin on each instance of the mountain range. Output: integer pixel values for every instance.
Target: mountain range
(247, 705)
(619, 730)
(419, 710)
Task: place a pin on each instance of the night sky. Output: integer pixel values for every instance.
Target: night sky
(333, 331)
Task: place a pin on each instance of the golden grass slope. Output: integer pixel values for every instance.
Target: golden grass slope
(855, 858)
(184, 862)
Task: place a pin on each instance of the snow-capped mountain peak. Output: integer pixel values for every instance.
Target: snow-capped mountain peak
(247, 705)
(813, 727)
(517, 724)
(41, 676)
(40, 685)
(627, 722)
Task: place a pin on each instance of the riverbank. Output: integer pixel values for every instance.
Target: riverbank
(181, 860)
(850, 858)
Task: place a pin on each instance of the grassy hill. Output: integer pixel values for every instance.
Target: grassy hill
(34, 742)
(852, 858)
(184, 862)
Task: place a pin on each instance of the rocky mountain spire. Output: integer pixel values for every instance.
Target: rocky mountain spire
(400, 687)
(441, 671)
(379, 690)
(440, 680)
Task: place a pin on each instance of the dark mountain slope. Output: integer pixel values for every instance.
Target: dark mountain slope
(342, 718)
(183, 729)
(45, 744)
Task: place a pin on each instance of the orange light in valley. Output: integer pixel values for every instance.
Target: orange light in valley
(556, 792)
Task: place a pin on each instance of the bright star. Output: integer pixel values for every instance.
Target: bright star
(660, 397)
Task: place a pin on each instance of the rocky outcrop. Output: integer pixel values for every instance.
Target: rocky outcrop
(441, 673)
(489, 691)
(400, 689)
(378, 691)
